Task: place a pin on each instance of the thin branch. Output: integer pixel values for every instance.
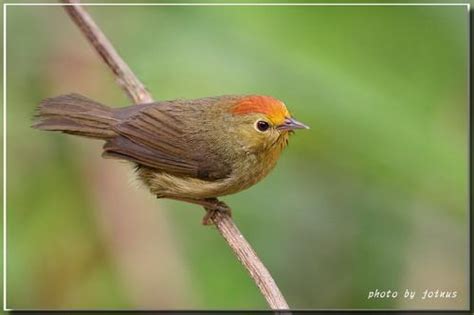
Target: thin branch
(247, 256)
(126, 78)
(139, 94)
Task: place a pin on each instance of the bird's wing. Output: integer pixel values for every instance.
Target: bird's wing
(156, 136)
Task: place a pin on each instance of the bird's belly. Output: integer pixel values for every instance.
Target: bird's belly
(245, 174)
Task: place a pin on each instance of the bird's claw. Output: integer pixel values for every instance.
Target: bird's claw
(211, 211)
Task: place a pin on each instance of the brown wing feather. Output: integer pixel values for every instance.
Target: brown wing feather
(156, 137)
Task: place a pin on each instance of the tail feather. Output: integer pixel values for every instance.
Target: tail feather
(75, 114)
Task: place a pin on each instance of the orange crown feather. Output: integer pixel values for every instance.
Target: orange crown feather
(274, 109)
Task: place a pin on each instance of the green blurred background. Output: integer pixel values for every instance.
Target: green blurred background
(373, 196)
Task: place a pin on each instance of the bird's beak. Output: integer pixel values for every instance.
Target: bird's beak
(291, 124)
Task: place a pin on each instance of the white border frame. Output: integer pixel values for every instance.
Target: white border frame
(5, 5)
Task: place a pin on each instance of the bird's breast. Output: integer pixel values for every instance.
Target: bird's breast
(248, 168)
(254, 166)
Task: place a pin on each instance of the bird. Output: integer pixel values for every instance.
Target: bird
(191, 150)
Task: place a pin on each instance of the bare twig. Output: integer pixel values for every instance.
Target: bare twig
(139, 94)
(126, 78)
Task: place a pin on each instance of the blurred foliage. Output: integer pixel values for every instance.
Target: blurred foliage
(374, 195)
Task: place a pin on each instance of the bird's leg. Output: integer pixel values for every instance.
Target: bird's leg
(217, 206)
(212, 205)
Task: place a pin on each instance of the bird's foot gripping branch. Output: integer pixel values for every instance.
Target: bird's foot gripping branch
(212, 207)
(212, 211)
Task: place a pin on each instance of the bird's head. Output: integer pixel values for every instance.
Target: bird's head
(264, 121)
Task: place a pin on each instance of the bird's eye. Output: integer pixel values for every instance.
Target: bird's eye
(262, 125)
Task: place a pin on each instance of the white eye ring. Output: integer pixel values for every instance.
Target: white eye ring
(262, 125)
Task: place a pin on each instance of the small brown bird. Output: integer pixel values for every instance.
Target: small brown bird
(188, 150)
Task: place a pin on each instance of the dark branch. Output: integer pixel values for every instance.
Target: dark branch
(139, 94)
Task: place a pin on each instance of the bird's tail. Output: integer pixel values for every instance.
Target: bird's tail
(77, 115)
